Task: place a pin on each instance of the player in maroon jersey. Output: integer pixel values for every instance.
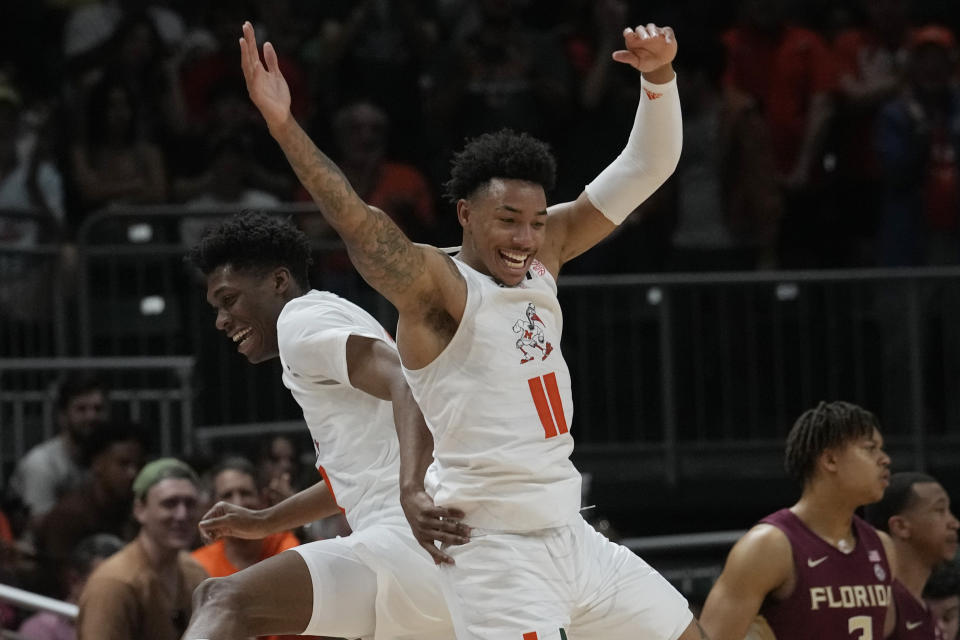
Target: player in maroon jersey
(814, 570)
(915, 511)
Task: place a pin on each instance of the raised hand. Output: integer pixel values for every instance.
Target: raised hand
(647, 47)
(432, 523)
(266, 85)
(230, 520)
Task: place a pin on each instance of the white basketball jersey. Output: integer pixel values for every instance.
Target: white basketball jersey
(353, 432)
(498, 402)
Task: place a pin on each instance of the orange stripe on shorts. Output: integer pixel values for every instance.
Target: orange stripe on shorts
(530, 636)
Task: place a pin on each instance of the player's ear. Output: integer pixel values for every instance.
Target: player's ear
(899, 527)
(463, 212)
(828, 460)
(139, 509)
(281, 279)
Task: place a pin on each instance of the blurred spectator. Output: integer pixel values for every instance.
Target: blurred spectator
(6, 533)
(8, 554)
(28, 179)
(500, 73)
(360, 132)
(280, 475)
(942, 595)
(605, 97)
(871, 63)
(31, 211)
(228, 182)
(86, 556)
(210, 69)
(234, 482)
(144, 590)
(728, 200)
(378, 50)
(789, 72)
(52, 468)
(91, 25)
(918, 137)
(278, 469)
(114, 454)
(138, 57)
(115, 163)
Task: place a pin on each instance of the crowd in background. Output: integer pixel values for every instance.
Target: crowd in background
(73, 501)
(815, 136)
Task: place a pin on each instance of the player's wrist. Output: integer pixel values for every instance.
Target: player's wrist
(283, 126)
(411, 488)
(660, 75)
(267, 519)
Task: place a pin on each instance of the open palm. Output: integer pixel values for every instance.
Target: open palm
(266, 85)
(647, 48)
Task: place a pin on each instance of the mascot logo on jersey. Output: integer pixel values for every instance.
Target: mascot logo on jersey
(530, 339)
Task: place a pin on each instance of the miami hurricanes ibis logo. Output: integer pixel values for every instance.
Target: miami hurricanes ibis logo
(530, 339)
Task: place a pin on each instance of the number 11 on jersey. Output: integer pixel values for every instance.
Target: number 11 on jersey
(546, 398)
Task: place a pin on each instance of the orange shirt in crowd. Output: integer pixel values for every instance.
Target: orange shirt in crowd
(782, 72)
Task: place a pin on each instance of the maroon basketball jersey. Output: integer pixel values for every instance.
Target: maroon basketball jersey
(837, 595)
(914, 620)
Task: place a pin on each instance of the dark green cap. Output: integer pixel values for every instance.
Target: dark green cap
(161, 469)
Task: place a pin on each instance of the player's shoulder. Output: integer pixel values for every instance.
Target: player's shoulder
(41, 456)
(763, 543)
(317, 306)
(762, 560)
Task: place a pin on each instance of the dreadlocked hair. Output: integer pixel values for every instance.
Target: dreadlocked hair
(897, 498)
(252, 240)
(505, 154)
(827, 425)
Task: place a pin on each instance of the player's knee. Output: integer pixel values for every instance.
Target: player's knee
(220, 593)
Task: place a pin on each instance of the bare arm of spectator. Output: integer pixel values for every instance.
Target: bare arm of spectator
(610, 15)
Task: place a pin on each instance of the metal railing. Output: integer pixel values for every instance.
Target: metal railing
(37, 602)
(135, 294)
(669, 367)
(669, 361)
(157, 391)
(32, 294)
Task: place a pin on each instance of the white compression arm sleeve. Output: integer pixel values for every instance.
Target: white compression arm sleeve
(651, 154)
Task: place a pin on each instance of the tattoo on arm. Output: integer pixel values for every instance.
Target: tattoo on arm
(382, 254)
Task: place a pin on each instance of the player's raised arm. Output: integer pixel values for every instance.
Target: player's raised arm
(383, 255)
(648, 159)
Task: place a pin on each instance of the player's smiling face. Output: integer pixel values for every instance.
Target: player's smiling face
(504, 227)
(248, 303)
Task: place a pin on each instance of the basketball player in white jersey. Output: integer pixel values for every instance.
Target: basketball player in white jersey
(343, 370)
(499, 406)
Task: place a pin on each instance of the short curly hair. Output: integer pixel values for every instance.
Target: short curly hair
(252, 240)
(504, 154)
(829, 424)
(944, 582)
